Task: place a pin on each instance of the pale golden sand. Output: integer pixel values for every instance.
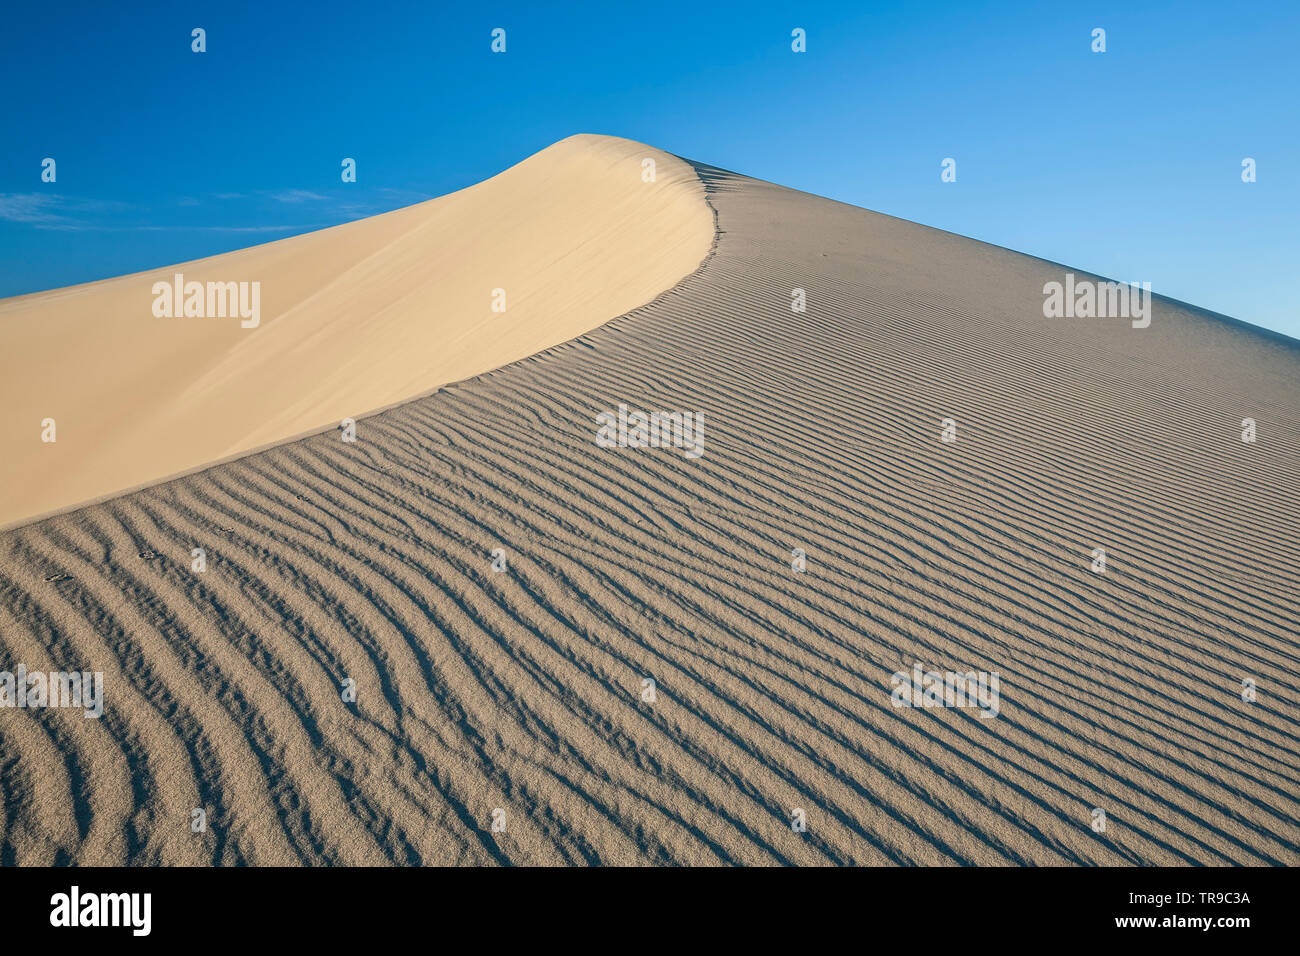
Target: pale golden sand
(521, 690)
(353, 319)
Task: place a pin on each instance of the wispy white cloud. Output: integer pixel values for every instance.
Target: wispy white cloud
(297, 195)
(59, 212)
(293, 227)
(32, 208)
(53, 211)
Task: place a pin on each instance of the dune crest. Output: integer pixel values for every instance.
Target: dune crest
(571, 648)
(351, 319)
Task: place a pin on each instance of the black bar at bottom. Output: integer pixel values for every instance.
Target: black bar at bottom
(1222, 906)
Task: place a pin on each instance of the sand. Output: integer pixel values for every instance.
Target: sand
(521, 690)
(352, 319)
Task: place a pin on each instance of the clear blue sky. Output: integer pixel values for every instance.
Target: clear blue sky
(1126, 163)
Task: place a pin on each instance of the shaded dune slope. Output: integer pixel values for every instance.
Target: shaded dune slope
(521, 690)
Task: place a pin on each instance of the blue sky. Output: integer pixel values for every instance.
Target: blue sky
(1126, 163)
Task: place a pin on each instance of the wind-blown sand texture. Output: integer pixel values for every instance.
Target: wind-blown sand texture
(521, 690)
(353, 319)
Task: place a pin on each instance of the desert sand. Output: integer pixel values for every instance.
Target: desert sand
(521, 690)
(352, 319)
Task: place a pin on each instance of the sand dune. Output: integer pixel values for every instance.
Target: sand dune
(521, 690)
(350, 320)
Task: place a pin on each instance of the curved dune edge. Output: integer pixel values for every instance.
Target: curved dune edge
(522, 691)
(353, 319)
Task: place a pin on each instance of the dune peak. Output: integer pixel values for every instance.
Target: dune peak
(224, 355)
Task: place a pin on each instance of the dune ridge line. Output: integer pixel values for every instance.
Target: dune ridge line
(350, 320)
(476, 635)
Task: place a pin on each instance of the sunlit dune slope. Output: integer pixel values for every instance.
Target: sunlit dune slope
(480, 635)
(352, 319)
